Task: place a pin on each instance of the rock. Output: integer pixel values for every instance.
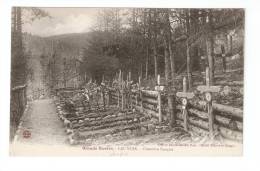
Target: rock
(128, 132)
(135, 119)
(80, 121)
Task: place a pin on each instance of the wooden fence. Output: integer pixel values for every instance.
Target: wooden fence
(226, 120)
(194, 113)
(18, 104)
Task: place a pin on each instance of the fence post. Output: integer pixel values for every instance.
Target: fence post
(159, 99)
(209, 105)
(185, 96)
(119, 88)
(208, 90)
(141, 95)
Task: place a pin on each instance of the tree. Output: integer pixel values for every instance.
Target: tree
(19, 60)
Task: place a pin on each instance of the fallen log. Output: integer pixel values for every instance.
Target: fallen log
(103, 132)
(232, 111)
(108, 125)
(225, 132)
(220, 120)
(201, 114)
(104, 120)
(150, 93)
(150, 101)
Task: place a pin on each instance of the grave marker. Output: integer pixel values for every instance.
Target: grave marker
(208, 90)
(185, 96)
(159, 88)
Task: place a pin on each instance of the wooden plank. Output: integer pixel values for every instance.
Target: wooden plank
(185, 95)
(160, 107)
(231, 111)
(213, 89)
(150, 93)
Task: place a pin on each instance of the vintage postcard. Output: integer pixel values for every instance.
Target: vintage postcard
(127, 81)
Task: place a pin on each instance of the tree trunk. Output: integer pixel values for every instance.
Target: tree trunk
(148, 40)
(210, 50)
(147, 63)
(189, 70)
(171, 70)
(154, 42)
(170, 97)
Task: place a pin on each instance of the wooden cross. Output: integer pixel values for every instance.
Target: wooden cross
(208, 90)
(159, 88)
(185, 96)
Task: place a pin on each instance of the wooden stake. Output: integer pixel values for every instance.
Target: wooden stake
(141, 95)
(159, 99)
(185, 96)
(209, 106)
(208, 90)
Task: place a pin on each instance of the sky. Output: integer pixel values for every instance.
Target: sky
(62, 21)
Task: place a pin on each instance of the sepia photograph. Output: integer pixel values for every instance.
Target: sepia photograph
(126, 81)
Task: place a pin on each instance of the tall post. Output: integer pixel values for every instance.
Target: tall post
(64, 72)
(210, 49)
(184, 103)
(189, 67)
(159, 99)
(122, 92)
(184, 95)
(119, 88)
(141, 95)
(130, 92)
(223, 56)
(209, 105)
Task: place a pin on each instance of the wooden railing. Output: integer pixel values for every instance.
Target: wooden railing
(225, 120)
(18, 104)
(228, 120)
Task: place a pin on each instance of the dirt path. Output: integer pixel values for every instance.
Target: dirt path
(41, 125)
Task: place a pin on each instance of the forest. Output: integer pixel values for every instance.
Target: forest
(156, 56)
(143, 41)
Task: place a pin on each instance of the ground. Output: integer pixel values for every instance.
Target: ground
(43, 123)
(46, 132)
